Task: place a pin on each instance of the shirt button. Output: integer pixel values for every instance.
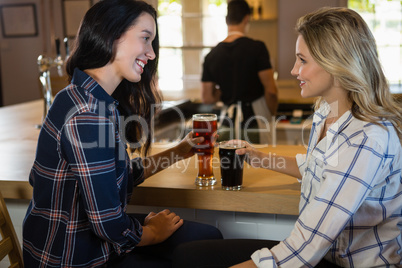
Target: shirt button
(319, 163)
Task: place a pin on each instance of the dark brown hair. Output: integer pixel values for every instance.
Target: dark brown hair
(102, 25)
(237, 10)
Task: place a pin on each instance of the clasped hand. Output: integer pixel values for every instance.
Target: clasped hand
(159, 226)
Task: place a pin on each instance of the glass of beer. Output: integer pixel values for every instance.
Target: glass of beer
(205, 125)
(231, 164)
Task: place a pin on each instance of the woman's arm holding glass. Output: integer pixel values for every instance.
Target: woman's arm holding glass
(288, 164)
(184, 149)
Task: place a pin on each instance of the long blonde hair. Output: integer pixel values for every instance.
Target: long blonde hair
(340, 42)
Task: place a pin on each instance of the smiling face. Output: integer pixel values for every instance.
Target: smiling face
(134, 49)
(314, 80)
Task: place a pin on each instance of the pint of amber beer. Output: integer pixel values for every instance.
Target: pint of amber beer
(205, 125)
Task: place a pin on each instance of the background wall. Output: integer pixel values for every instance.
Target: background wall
(18, 55)
(288, 13)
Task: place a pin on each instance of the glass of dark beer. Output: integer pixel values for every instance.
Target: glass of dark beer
(231, 164)
(205, 125)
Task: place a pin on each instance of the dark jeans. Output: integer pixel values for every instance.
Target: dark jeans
(160, 255)
(222, 253)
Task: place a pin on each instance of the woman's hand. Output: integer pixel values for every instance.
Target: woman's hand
(185, 148)
(181, 151)
(284, 164)
(246, 264)
(254, 157)
(159, 226)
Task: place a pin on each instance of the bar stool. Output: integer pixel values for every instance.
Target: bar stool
(9, 244)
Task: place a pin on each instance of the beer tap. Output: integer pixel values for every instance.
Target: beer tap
(45, 64)
(58, 61)
(67, 48)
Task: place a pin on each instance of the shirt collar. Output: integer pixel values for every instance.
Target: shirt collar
(89, 84)
(337, 127)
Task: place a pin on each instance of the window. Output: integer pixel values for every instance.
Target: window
(188, 29)
(384, 18)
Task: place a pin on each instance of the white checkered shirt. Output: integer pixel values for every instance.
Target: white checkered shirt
(351, 198)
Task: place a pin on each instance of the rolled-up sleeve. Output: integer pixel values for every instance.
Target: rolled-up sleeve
(301, 160)
(263, 258)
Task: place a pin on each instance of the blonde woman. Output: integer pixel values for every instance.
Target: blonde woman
(351, 189)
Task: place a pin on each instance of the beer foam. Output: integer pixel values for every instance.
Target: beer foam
(231, 145)
(205, 117)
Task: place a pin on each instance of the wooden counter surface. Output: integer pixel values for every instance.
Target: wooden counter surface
(264, 191)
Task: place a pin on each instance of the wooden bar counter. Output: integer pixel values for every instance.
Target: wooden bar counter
(263, 191)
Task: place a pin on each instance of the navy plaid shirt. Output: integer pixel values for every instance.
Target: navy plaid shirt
(351, 198)
(82, 180)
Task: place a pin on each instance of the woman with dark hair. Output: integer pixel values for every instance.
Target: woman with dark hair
(82, 176)
(95, 48)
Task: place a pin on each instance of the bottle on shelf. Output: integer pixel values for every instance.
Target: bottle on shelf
(252, 10)
(259, 10)
(255, 9)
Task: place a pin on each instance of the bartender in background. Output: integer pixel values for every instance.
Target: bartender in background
(238, 72)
